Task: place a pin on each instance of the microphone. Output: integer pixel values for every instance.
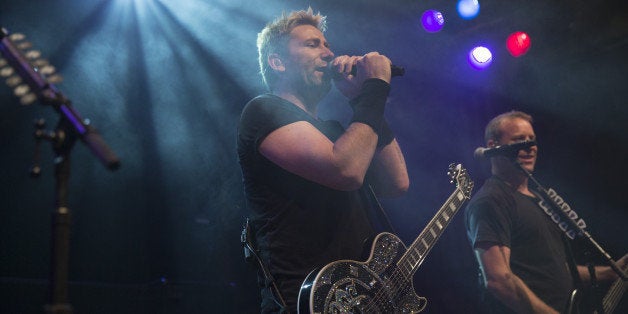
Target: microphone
(395, 70)
(502, 150)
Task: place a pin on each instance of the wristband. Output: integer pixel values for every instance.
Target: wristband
(368, 106)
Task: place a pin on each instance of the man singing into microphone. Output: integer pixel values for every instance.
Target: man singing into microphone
(520, 251)
(309, 183)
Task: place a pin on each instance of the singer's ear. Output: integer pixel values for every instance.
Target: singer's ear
(491, 143)
(274, 60)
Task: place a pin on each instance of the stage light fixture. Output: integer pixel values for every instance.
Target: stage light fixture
(468, 9)
(518, 43)
(432, 21)
(480, 57)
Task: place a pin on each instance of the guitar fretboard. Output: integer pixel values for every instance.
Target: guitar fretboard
(417, 252)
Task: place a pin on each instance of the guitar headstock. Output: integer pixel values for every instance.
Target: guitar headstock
(24, 68)
(460, 177)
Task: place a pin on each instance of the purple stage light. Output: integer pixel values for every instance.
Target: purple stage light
(432, 21)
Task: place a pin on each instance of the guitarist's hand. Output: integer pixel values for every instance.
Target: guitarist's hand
(622, 264)
(607, 274)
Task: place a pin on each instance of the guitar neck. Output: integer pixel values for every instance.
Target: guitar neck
(419, 249)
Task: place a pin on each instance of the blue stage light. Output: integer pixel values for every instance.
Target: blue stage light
(468, 9)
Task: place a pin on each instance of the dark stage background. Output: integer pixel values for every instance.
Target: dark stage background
(164, 83)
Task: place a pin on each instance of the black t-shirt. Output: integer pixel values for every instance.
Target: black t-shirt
(499, 214)
(299, 225)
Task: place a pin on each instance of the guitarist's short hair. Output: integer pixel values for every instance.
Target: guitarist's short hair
(493, 131)
(274, 37)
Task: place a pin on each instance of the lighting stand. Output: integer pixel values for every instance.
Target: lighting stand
(70, 128)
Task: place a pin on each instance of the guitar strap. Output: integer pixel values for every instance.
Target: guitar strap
(377, 215)
(571, 262)
(250, 253)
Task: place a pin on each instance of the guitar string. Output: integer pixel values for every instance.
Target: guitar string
(610, 302)
(398, 285)
(396, 275)
(380, 294)
(613, 296)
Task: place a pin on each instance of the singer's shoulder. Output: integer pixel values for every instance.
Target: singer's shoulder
(270, 109)
(263, 103)
(263, 99)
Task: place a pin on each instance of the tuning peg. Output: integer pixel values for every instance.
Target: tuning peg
(54, 79)
(14, 80)
(47, 70)
(28, 99)
(3, 62)
(33, 54)
(40, 63)
(17, 36)
(21, 90)
(24, 45)
(6, 72)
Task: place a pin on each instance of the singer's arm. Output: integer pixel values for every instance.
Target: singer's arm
(501, 282)
(389, 172)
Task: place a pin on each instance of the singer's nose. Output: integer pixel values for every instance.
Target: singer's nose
(328, 55)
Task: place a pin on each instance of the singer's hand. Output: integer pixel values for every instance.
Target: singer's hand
(371, 65)
(374, 65)
(344, 81)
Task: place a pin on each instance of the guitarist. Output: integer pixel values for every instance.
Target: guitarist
(521, 253)
(305, 178)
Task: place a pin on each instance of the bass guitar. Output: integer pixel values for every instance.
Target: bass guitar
(382, 284)
(613, 296)
(579, 303)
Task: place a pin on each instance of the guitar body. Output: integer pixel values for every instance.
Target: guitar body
(382, 284)
(374, 286)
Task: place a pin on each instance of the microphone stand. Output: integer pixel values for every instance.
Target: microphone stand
(581, 232)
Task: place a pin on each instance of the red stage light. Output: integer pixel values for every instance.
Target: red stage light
(518, 43)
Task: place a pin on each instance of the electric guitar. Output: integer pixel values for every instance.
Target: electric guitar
(382, 284)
